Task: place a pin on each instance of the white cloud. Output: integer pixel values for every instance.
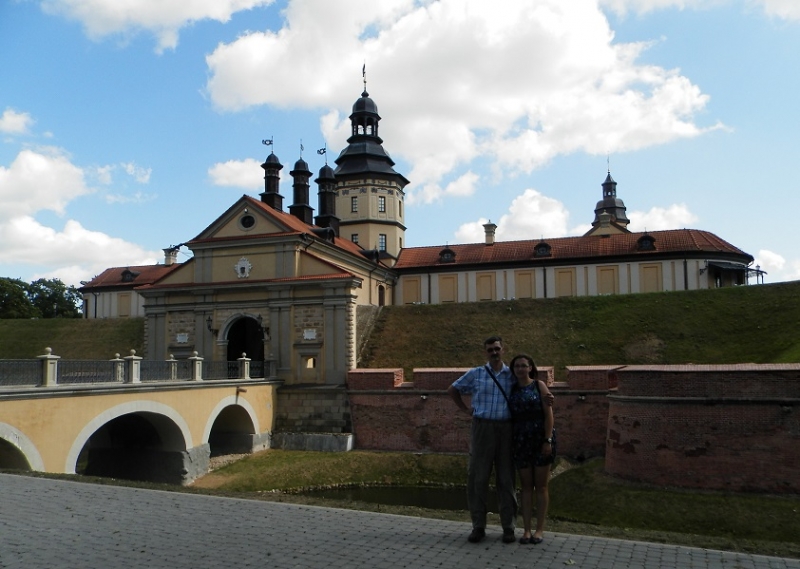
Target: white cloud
(464, 186)
(530, 216)
(769, 261)
(778, 269)
(13, 122)
(784, 9)
(676, 216)
(138, 173)
(74, 250)
(39, 180)
(513, 82)
(246, 174)
(163, 18)
(136, 198)
(105, 174)
(45, 179)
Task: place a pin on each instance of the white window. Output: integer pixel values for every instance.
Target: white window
(382, 242)
(354, 204)
(382, 204)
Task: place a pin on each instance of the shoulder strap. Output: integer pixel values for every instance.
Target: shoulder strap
(497, 383)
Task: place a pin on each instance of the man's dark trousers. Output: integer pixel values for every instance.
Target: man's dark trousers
(490, 446)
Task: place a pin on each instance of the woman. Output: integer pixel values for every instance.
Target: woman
(533, 448)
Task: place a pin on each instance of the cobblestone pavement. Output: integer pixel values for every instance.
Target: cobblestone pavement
(60, 524)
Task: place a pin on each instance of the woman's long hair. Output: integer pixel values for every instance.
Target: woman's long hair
(533, 373)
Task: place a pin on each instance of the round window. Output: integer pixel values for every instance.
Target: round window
(247, 221)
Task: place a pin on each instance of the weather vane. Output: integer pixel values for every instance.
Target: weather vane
(364, 75)
(324, 150)
(267, 142)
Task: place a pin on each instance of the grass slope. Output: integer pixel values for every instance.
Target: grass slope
(72, 339)
(731, 325)
(755, 324)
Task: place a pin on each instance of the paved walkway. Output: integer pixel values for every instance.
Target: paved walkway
(53, 524)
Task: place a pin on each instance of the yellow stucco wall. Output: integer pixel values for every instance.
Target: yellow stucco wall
(58, 422)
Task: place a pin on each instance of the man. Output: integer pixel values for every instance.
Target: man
(490, 439)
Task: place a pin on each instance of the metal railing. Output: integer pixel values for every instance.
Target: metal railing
(50, 370)
(20, 372)
(88, 371)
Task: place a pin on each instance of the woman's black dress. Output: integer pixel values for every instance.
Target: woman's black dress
(528, 413)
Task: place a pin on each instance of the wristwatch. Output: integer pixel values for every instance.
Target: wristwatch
(549, 441)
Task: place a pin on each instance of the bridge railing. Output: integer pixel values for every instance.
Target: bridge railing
(49, 370)
(20, 372)
(87, 371)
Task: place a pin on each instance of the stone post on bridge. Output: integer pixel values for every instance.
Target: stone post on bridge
(133, 368)
(49, 368)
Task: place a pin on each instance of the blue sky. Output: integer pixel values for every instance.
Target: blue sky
(129, 127)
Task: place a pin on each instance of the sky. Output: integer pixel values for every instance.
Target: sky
(129, 127)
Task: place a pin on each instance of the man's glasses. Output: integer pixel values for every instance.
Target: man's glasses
(493, 350)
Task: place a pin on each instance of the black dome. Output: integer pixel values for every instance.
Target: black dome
(365, 105)
(325, 172)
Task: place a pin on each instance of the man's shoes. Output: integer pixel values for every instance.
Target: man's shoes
(477, 535)
(508, 536)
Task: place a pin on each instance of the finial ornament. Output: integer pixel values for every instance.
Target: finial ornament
(301, 148)
(364, 74)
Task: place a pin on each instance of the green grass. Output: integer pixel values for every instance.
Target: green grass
(731, 325)
(583, 498)
(70, 338)
(281, 470)
(755, 324)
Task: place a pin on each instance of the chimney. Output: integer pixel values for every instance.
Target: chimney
(171, 255)
(490, 229)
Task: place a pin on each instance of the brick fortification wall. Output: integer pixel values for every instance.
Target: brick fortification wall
(715, 427)
(732, 427)
(391, 414)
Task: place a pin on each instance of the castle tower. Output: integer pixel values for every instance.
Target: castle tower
(272, 178)
(369, 192)
(300, 207)
(326, 182)
(610, 204)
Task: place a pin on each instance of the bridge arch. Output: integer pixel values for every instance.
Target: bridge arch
(232, 427)
(16, 449)
(171, 426)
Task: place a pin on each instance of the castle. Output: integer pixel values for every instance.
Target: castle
(297, 289)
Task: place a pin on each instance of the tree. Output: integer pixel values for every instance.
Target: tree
(53, 299)
(14, 299)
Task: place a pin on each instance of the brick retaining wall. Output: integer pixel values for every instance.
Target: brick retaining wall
(715, 427)
(733, 427)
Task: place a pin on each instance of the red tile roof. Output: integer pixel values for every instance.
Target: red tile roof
(144, 275)
(690, 242)
(291, 224)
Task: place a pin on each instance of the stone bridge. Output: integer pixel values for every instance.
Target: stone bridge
(162, 431)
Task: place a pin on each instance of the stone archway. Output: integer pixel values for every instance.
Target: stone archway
(245, 335)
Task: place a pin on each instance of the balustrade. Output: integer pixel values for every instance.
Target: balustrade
(50, 370)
